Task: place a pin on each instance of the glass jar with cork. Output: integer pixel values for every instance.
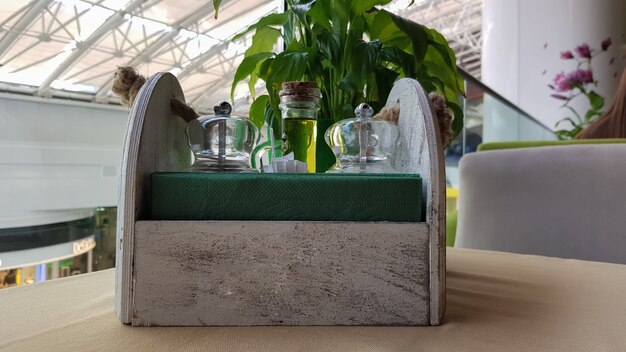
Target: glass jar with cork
(299, 105)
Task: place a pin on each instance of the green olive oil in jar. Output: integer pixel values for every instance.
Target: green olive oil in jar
(299, 104)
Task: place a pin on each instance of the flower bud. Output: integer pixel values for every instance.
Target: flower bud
(606, 43)
(583, 51)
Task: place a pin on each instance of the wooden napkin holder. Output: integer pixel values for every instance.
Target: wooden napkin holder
(240, 273)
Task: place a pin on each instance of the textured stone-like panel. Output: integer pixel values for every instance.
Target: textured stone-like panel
(420, 151)
(280, 273)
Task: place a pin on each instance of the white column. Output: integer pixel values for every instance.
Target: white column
(90, 261)
(522, 41)
(54, 272)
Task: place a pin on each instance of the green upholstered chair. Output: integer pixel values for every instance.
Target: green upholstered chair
(532, 144)
(563, 201)
(451, 222)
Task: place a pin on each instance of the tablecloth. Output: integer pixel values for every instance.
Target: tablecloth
(496, 302)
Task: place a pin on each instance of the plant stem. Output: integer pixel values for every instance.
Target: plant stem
(580, 120)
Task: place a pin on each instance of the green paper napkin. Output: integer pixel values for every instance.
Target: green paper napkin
(307, 197)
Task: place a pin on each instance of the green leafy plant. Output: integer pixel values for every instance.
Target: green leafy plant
(352, 50)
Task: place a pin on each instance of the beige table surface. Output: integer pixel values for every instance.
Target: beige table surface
(496, 302)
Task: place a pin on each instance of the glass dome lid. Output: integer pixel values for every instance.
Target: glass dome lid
(221, 142)
(362, 144)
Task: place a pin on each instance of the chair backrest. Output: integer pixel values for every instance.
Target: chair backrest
(545, 143)
(567, 202)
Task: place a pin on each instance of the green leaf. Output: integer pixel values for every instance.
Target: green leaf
(589, 116)
(361, 6)
(457, 121)
(364, 58)
(435, 66)
(257, 110)
(298, 46)
(272, 117)
(346, 111)
(596, 100)
(289, 28)
(338, 11)
(401, 59)
(319, 17)
(247, 66)
(273, 19)
(301, 10)
(564, 135)
(379, 85)
(263, 40)
(216, 6)
(383, 28)
(328, 43)
(416, 33)
(287, 66)
(567, 119)
(264, 67)
(254, 77)
(439, 43)
(348, 83)
(358, 27)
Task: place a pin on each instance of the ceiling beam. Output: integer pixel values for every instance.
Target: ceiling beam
(210, 90)
(196, 62)
(13, 34)
(149, 51)
(82, 47)
(201, 59)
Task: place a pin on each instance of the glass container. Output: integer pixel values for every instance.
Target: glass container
(362, 144)
(221, 142)
(299, 105)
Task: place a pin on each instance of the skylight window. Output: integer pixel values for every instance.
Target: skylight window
(115, 4)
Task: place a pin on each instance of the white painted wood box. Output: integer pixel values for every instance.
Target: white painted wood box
(202, 273)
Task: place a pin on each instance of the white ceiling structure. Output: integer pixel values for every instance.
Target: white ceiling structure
(70, 48)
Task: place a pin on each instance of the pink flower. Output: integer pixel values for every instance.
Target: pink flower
(566, 82)
(583, 51)
(606, 43)
(561, 83)
(566, 55)
(580, 77)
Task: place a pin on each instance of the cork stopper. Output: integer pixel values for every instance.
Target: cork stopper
(299, 91)
(298, 85)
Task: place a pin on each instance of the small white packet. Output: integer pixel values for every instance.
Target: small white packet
(286, 164)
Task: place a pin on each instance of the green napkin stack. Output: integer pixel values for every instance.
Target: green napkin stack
(276, 197)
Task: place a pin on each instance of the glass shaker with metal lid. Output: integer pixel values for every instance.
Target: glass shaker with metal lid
(362, 144)
(221, 142)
